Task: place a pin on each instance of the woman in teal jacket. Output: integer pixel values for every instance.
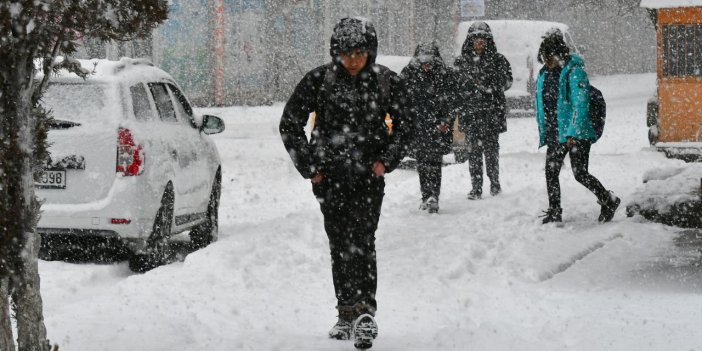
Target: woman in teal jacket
(563, 116)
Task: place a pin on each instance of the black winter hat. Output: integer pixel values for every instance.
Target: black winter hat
(354, 33)
(480, 30)
(427, 52)
(553, 44)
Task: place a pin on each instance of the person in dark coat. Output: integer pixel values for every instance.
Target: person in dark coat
(429, 84)
(350, 150)
(483, 76)
(563, 116)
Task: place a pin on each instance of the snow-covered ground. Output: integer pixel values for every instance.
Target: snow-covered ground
(480, 275)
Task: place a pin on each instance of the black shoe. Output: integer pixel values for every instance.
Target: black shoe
(495, 190)
(608, 208)
(432, 205)
(552, 215)
(474, 195)
(365, 330)
(343, 327)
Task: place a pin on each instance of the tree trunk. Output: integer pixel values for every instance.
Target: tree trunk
(6, 340)
(18, 204)
(26, 295)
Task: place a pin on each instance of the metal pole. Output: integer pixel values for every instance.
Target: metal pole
(219, 94)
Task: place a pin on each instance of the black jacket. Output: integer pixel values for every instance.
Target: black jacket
(430, 100)
(482, 81)
(349, 132)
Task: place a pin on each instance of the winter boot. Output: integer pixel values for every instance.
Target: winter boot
(609, 206)
(343, 327)
(424, 206)
(365, 330)
(432, 205)
(474, 194)
(495, 189)
(552, 215)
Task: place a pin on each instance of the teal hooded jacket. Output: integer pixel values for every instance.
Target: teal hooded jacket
(574, 109)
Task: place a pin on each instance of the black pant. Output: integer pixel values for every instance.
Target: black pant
(429, 169)
(579, 162)
(490, 147)
(351, 209)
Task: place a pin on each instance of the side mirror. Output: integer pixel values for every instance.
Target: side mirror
(212, 124)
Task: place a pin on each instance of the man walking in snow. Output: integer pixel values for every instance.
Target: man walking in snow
(346, 158)
(562, 113)
(483, 76)
(429, 90)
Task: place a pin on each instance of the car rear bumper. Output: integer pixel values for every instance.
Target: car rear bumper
(127, 212)
(519, 105)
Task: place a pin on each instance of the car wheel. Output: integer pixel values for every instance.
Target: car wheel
(205, 233)
(156, 251)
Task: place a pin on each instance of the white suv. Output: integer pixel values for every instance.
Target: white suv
(130, 161)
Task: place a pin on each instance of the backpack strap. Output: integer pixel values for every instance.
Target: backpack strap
(383, 87)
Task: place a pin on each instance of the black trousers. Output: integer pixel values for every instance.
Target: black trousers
(351, 208)
(579, 162)
(429, 169)
(490, 147)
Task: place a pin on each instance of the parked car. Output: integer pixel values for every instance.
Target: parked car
(130, 161)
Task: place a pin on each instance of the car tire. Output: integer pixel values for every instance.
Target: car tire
(207, 232)
(156, 251)
(653, 135)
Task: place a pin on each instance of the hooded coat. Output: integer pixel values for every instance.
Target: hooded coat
(349, 132)
(430, 94)
(482, 81)
(573, 111)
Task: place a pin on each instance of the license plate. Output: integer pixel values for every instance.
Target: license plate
(52, 179)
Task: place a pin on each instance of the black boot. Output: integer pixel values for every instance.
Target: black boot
(609, 206)
(475, 194)
(342, 329)
(552, 215)
(365, 330)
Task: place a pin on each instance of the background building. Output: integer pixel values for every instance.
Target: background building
(228, 52)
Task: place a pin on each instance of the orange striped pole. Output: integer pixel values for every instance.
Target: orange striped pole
(219, 52)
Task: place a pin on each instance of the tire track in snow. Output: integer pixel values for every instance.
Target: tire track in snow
(578, 257)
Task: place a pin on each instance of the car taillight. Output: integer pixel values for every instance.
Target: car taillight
(130, 156)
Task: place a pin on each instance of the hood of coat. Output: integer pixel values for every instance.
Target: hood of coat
(427, 53)
(354, 33)
(478, 30)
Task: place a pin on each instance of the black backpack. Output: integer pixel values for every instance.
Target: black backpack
(598, 107)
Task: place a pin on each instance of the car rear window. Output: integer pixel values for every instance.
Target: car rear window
(75, 102)
(140, 102)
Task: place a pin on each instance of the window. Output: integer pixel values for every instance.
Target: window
(682, 50)
(77, 102)
(181, 105)
(140, 103)
(163, 102)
